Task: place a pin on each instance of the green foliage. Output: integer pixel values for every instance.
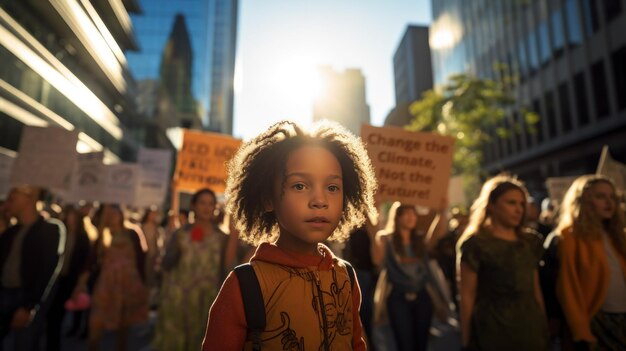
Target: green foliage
(473, 110)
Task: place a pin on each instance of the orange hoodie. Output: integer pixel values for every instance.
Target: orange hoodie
(583, 281)
(290, 292)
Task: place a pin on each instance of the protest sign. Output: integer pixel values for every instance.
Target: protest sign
(155, 167)
(202, 161)
(456, 192)
(88, 178)
(558, 186)
(120, 183)
(411, 167)
(612, 168)
(46, 157)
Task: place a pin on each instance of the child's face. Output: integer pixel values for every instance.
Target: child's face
(308, 199)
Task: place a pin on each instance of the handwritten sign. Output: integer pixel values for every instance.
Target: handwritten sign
(557, 187)
(121, 183)
(612, 168)
(202, 161)
(46, 157)
(411, 167)
(155, 165)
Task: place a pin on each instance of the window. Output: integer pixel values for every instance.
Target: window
(558, 38)
(600, 93)
(532, 53)
(574, 35)
(612, 9)
(544, 43)
(550, 114)
(590, 13)
(521, 58)
(580, 90)
(566, 118)
(618, 60)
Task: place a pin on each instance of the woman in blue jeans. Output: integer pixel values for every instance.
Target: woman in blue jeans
(403, 252)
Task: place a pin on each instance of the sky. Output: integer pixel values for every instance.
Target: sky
(281, 42)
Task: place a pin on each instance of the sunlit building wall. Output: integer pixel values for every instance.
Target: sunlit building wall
(413, 73)
(210, 26)
(63, 64)
(569, 59)
(342, 98)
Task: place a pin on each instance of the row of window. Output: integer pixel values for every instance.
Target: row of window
(559, 116)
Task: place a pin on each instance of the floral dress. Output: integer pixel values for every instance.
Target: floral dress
(120, 298)
(188, 290)
(506, 315)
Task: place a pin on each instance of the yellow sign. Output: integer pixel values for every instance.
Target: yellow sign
(411, 167)
(201, 162)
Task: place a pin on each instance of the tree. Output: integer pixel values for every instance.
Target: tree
(471, 110)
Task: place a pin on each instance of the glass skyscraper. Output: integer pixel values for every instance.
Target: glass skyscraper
(569, 58)
(185, 64)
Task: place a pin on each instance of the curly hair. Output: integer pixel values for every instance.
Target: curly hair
(258, 162)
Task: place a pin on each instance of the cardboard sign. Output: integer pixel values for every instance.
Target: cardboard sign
(411, 167)
(558, 186)
(121, 183)
(202, 161)
(456, 192)
(88, 178)
(613, 169)
(6, 164)
(155, 167)
(46, 157)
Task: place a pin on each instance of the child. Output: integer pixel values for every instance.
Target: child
(289, 190)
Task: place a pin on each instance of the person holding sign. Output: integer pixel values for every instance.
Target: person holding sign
(120, 296)
(403, 254)
(591, 284)
(192, 275)
(289, 190)
(501, 302)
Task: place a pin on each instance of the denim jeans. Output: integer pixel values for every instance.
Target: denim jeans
(410, 320)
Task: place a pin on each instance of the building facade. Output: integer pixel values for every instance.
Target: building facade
(187, 49)
(342, 98)
(569, 61)
(412, 71)
(63, 64)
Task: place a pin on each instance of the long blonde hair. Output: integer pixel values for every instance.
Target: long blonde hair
(577, 212)
(489, 194)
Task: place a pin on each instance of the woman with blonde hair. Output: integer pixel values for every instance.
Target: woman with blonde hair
(501, 303)
(591, 285)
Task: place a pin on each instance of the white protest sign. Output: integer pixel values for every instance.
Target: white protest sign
(557, 187)
(411, 167)
(456, 192)
(612, 169)
(88, 178)
(46, 157)
(120, 183)
(6, 164)
(155, 167)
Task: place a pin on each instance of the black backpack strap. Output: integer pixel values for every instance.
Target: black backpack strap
(253, 304)
(350, 270)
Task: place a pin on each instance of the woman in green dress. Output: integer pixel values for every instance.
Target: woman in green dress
(501, 302)
(192, 276)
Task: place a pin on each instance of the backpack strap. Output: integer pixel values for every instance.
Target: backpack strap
(350, 270)
(253, 304)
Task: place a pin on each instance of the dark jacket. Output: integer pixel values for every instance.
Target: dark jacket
(39, 257)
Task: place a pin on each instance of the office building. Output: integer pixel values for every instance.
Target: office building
(569, 58)
(63, 64)
(186, 62)
(342, 98)
(413, 73)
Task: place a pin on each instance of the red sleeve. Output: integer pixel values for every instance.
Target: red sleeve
(226, 329)
(358, 343)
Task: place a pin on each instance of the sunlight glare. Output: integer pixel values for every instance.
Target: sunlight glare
(296, 80)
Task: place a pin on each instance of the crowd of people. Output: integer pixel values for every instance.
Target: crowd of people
(507, 274)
